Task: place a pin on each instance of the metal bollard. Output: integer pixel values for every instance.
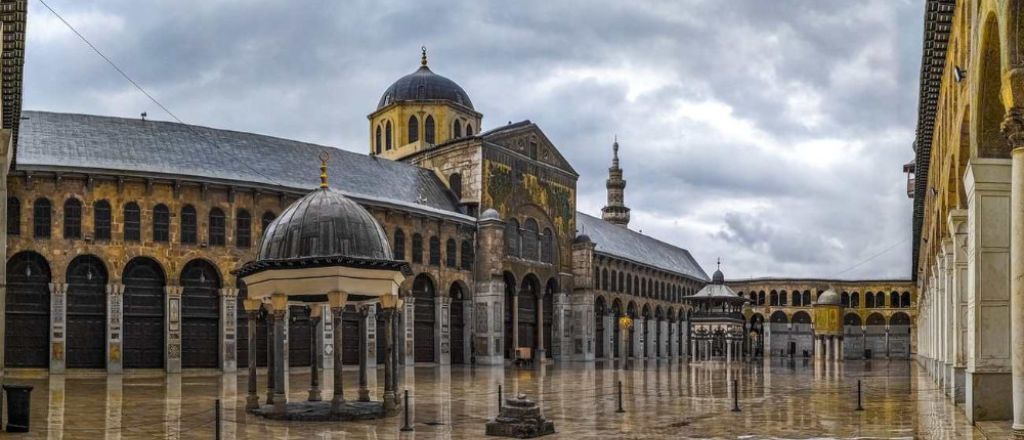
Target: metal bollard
(620, 410)
(406, 428)
(735, 396)
(216, 412)
(859, 406)
(499, 397)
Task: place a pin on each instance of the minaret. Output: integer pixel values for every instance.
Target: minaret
(615, 211)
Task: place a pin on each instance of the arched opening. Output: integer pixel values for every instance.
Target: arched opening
(600, 310)
(855, 300)
(512, 238)
(188, 225)
(783, 298)
(659, 316)
(435, 251)
(529, 293)
(760, 298)
(455, 183)
(466, 257)
(773, 298)
(41, 214)
(845, 299)
(377, 140)
(217, 231)
(549, 312)
(27, 338)
(616, 331)
(645, 346)
(469, 129)
(457, 129)
(267, 218)
(510, 293)
(86, 313)
(387, 136)
(905, 299)
(880, 299)
(894, 299)
(450, 253)
(547, 249)
(869, 300)
(132, 222)
(530, 240)
(874, 336)
(414, 129)
(853, 336)
(13, 216)
(72, 218)
(243, 229)
(899, 335)
(200, 315)
(632, 312)
(428, 130)
(161, 223)
(989, 141)
(423, 294)
(417, 248)
(144, 307)
(457, 323)
(399, 244)
(806, 298)
(782, 342)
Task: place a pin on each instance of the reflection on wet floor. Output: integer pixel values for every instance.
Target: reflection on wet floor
(777, 399)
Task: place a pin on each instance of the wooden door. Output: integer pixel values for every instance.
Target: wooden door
(86, 313)
(143, 314)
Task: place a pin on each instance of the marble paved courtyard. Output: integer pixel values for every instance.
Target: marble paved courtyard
(777, 399)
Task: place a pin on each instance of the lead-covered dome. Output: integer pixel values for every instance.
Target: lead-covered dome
(324, 223)
(424, 84)
(829, 298)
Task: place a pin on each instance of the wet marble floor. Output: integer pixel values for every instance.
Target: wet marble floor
(777, 399)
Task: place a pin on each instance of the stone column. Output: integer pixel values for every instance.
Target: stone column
(442, 344)
(989, 382)
(279, 303)
(540, 355)
(693, 350)
(252, 310)
(651, 338)
(766, 351)
(638, 338)
(337, 302)
(115, 320)
(390, 398)
(958, 231)
(58, 326)
(371, 336)
(270, 354)
(609, 332)
(315, 311)
(817, 347)
(228, 329)
(1013, 129)
(364, 391)
(673, 339)
(515, 324)
(173, 334)
(410, 327)
(325, 339)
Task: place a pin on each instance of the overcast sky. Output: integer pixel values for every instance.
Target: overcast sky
(769, 133)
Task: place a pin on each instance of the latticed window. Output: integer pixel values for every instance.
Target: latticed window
(132, 222)
(101, 220)
(457, 128)
(512, 238)
(217, 227)
(399, 244)
(188, 225)
(428, 130)
(41, 218)
(13, 216)
(161, 223)
(377, 141)
(387, 136)
(547, 247)
(530, 240)
(469, 130)
(243, 229)
(450, 257)
(72, 218)
(414, 129)
(417, 248)
(435, 251)
(467, 255)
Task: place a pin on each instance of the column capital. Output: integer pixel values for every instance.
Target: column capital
(173, 291)
(252, 305)
(115, 289)
(337, 300)
(229, 292)
(58, 288)
(1013, 127)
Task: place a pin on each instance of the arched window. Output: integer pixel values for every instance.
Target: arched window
(622, 283)
(783, 298)
(773, 298)
(629, 284)
(455, 183)
(72, 218)
(216, 227)
(101, 220)
(188, 225)
(161, 223)
(377, 140)
(530, 240)
(855, 300)
(457, 129)
(807, 298)
(13, 216)
(435, 251)
(894, 299)
(266, 220)
(417, 248)
(869, 300)
(469, 129)
(845, 299)
(387, 135)
(414, 129)
(132, 222)
(512, 238)
(428, 130)
(450, 257)
(879, 299)
(547, 246)
(243, 229)
(905, 299)
(41, 212)
(604, 279)
(399, 244)
(467, 255)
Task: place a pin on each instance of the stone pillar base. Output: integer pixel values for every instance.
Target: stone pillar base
(364, 395)
(252, 402)
(539, 356)
(280, 404)
(988, 396)
(315, 395)
(958, 386)
(337, 404)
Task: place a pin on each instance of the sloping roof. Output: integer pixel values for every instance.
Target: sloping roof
(88, 143)
(624, 243)
(715, 291)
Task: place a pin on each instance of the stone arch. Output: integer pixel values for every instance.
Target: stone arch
(988, 106)
(899, 318)
(801, 317)
(779, 317)
(529, 294)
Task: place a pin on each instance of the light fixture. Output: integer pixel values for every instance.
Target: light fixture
(28, 271)
(959, 74)
(88, 274)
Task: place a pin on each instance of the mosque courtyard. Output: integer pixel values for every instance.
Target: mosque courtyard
(777, 399)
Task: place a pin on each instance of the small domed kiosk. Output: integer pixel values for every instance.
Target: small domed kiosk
(828, 326)
(323, 249)
(717, 324)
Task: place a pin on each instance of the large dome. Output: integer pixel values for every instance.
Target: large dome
(324, 223)
(424, 84)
